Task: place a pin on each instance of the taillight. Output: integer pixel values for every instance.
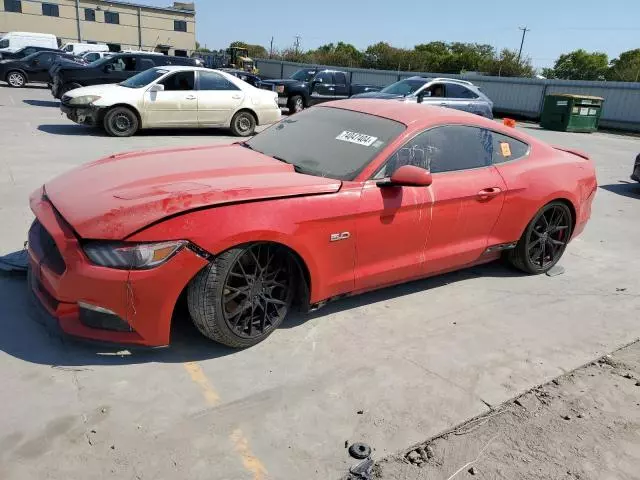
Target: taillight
(280, 88)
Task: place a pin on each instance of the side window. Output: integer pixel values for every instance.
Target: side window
(340, 78)
(179, 81)
(45, 59)
(29, 51)
(213, 81)
(459, 91)
(324, 77)
(145, 64)
(92, 57)
(436, 90)
(444, 149)
(130, 64)
(507, 148)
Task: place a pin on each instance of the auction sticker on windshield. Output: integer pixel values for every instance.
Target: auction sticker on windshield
(358, 138)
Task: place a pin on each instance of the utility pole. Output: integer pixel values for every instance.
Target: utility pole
(524, 32)
(297, 44)
(271, 48)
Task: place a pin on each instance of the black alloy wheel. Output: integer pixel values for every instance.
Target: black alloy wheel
(545, 239)
(243, 295)
(121, 122)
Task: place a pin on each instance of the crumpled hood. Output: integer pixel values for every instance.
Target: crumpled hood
(377, 95)
(116, 196)
(95, 90)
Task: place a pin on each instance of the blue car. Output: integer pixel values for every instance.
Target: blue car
(443, 92)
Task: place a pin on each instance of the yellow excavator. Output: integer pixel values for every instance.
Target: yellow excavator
(239, 58)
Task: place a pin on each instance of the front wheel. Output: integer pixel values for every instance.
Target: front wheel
(121, 122)
(16, 79)
(243, 124)
(295, 104)
(243, 295)
(544, 240)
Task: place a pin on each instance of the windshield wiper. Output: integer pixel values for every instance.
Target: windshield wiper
(296, 168)
(246, 145)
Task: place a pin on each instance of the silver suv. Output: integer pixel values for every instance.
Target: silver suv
(443, 92)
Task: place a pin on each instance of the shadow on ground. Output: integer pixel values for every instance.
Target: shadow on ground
(29, 85)
(26, 333)
(626, 189)
(74, 130)
(42, 103)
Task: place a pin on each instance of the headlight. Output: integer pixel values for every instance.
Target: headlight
(280, 88)
(84, 100)
(128, 256)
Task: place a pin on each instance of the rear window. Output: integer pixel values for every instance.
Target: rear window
(328, 142)
(506, 149)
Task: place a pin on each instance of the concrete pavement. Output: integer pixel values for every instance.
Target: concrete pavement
(415, 359)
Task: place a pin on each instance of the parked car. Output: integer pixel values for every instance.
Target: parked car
(308, 87)
(32, 68)
(342, 198)
(250, 78)
(89, 57)
(109, 70)
(80, 48)
(444, 92)
(173, 96)
(23, 52)
(14, 41)
(635, 175)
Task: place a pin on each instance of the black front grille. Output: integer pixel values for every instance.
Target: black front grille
(45, 248)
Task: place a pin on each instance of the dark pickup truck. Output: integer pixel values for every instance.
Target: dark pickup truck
(113, 69)
(310, 86)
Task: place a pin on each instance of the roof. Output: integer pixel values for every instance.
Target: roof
(410, 114)
(172, 68)
(150, 7)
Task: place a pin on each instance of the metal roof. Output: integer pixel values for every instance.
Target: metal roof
(150, 7)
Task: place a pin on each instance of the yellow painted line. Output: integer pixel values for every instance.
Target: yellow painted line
(198, 376)
(240, 443)
(249, 460)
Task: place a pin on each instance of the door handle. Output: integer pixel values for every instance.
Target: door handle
(237, 97)
(330, 88)
(443, 104)
(190, 97)
(489, 193)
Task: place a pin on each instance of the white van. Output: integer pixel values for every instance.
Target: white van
(12, 41)
(80, 48)
(93, 56)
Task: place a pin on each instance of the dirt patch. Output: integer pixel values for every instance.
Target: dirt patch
(583, 425)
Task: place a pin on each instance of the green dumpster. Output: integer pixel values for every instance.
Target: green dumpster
(571, 113)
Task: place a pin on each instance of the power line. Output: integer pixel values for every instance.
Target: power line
(524, 32)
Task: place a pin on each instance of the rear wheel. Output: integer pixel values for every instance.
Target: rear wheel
(295, 104)
(544, 240)
(121, 122)
(243, 124)
(241, 297)
(16, 79)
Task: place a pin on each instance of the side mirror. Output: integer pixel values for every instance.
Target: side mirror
(408, 176)
(156, 87)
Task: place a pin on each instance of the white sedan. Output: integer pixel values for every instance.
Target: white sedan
(173, 96)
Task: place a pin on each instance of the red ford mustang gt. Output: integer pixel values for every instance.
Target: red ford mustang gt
(342, 198)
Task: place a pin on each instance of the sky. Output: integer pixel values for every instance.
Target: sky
(556, 26)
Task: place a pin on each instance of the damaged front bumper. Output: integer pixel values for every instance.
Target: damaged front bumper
(126, 307)
(85, 115)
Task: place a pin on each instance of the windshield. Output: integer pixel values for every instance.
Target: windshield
(404, 87)
(144, 78)
(327, 142)
(303, 75)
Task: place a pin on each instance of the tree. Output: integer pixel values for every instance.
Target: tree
(199, 48)
(548, 73)
(625, 68)
(255, 51)
(507, 65)
(342, 54)
(581, 65)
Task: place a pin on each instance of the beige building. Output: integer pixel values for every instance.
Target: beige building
(121, 25)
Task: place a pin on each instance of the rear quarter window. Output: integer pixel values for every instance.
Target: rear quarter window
(507, 149)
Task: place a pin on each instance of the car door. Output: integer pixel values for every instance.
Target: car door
(176, 105)
(40, 67)
(322, 88)
(218, 99)
(393, 225)
(468, 194)
(341, 85)
(457, 96)
(118, 70)
(433, 95)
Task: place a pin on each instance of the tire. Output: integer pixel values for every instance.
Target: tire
(228, 296)
(16, 79)
(544, 240)
(295, 104)
(121, 122)
(243, 124)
